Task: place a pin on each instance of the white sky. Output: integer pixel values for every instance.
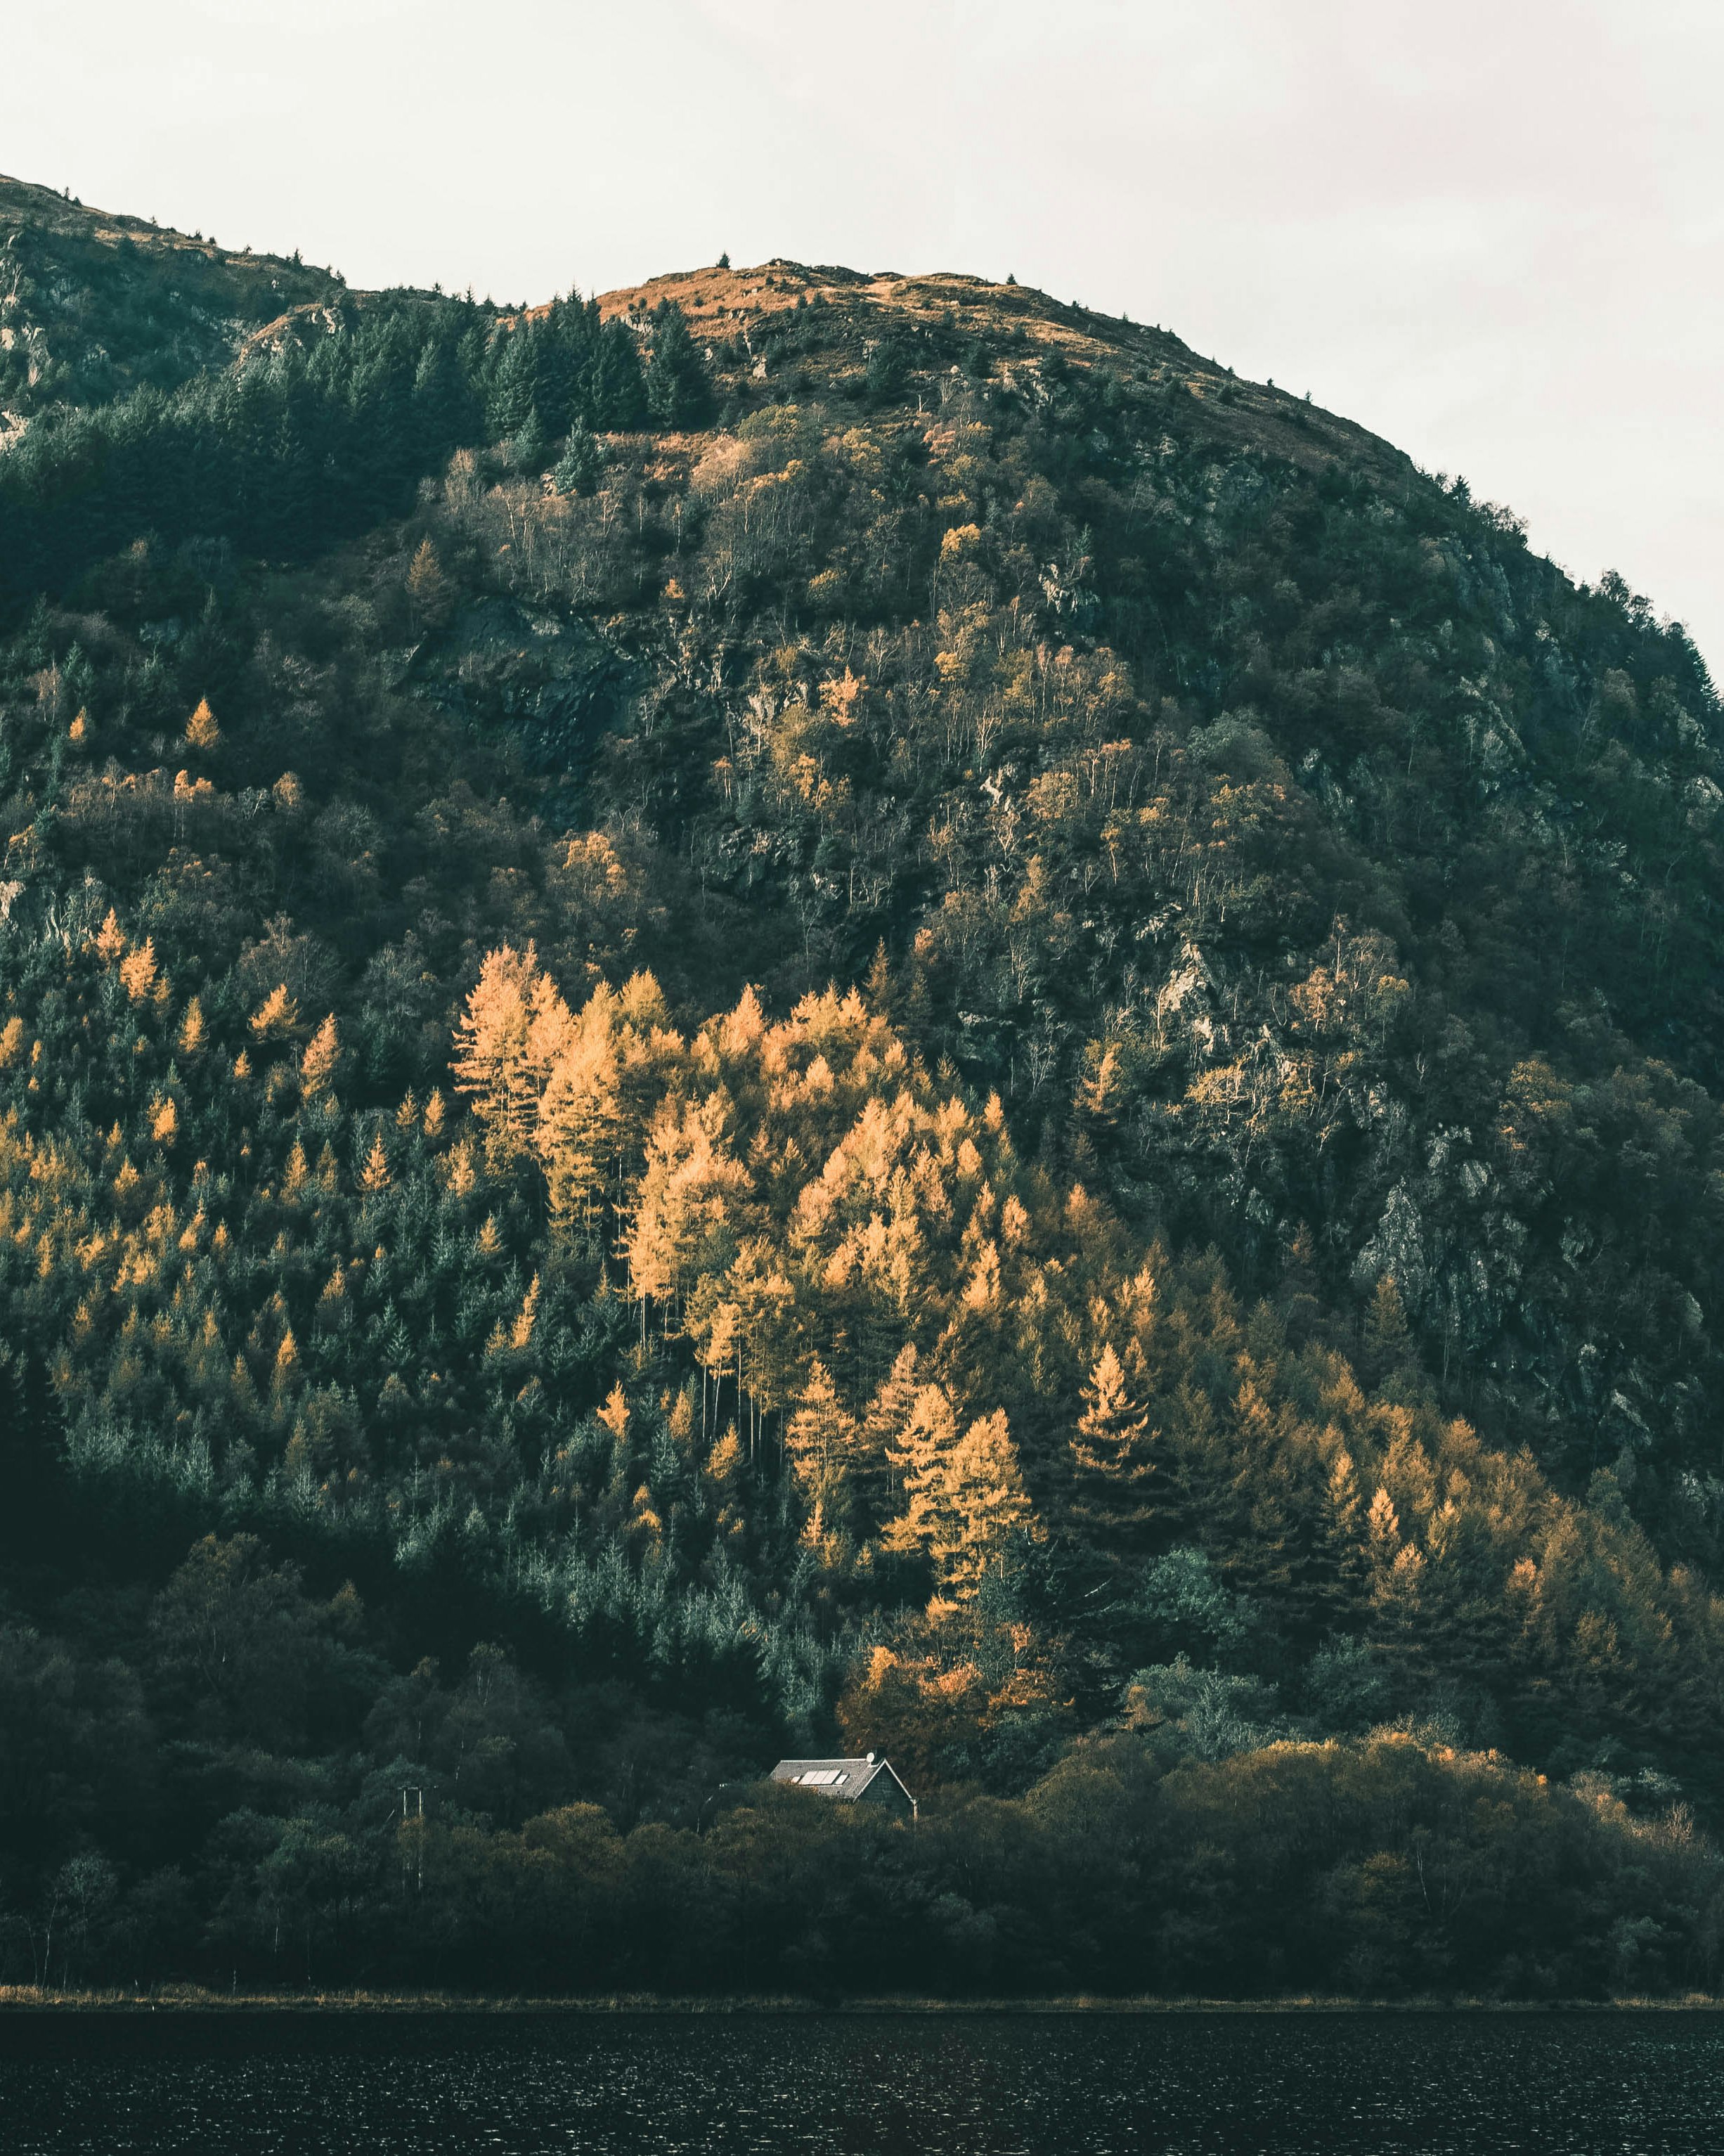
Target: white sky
(1491, 229)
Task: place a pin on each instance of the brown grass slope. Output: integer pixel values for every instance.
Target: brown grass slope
(1238, 415)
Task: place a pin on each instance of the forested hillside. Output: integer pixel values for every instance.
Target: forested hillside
(803, 1009)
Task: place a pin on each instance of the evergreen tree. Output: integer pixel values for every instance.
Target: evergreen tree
(512, 391)
(577, 470)
(446, 410)
(428, 589)
(984, 1508)
(558, 365)
(528, 447)
(616, 395)
(820, 1436)
(920, 1457)
(679, 391)
(1119, 1483)
(875, 1489)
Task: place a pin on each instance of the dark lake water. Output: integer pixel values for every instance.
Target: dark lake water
(873, 2085)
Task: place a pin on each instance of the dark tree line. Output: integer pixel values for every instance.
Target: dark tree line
(328, 431)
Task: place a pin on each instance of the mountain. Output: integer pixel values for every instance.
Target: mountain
(800, 1009)
(95, 306)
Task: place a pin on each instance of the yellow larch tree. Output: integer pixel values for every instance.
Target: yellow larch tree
(321, 1060)
(580, 1111)
(520, 1336)
(983, 1508)
(883, 1423)
(1117, 1473)
(374, 1176)
(494, 1062)
(428, 589)
(202, 732)
(919, 1457)
(819, 1436)
(137, 971)
(277, 1016)
(689, 1182)
(284, 1375)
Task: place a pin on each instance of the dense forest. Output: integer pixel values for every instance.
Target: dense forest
(804, 1011)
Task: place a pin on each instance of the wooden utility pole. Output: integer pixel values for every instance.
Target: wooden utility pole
(418, 1794)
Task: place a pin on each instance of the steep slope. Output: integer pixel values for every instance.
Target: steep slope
(1442, 815)
(93, 305)
(835, 1002)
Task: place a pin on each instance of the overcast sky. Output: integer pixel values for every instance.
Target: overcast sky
(1493, 230)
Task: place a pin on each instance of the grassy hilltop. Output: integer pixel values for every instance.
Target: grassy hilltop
(802, 1009)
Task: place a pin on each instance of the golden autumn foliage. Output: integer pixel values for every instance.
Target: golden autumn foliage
(202, 732)
(854, 1252)
(520, 1335)
(137, 971)
(374, 1176)
(322, 1058)
(428, 589)
(276, 1017)
(790, 1195)
(1113, 1455)
(493, 1063)
(820, 1434)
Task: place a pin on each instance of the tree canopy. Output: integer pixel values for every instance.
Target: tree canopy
(780, 1015)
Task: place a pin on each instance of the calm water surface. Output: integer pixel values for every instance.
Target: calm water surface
(879, 2085)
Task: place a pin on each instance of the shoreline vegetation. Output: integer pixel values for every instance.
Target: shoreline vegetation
(24, 1999)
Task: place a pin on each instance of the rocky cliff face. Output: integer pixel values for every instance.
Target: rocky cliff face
(93, 306)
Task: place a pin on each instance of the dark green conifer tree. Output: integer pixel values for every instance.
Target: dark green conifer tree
(583, 460)
(446, 411)
(617, 401)
(509, 392)
(679, 391)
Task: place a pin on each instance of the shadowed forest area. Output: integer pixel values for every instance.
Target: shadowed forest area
(805, 1011)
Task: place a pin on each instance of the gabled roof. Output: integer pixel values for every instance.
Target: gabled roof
(837, 1778)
